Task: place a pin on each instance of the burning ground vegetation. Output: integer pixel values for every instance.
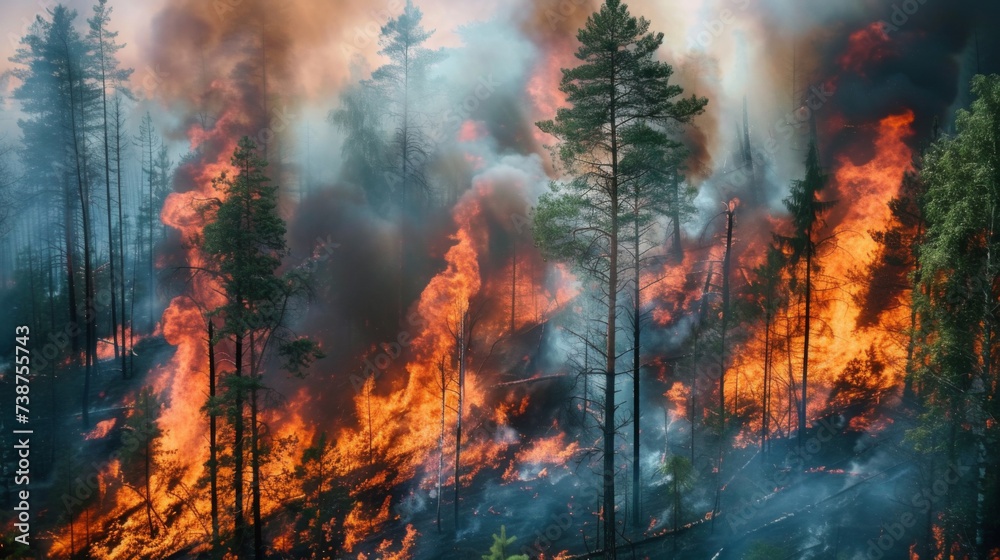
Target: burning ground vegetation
(502, 280)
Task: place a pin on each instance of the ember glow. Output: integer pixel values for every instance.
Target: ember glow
(389, 354)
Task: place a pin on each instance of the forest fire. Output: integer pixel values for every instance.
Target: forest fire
(415, 283)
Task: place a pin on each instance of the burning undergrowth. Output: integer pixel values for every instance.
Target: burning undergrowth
(455, 394)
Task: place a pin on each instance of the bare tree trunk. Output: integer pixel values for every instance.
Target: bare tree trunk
(676, 249)
(152, 288)
(213, 462)
(702, 312)
(70, 272)
(722, 363)
(458, 422)
(258, 535)
(805, 340)
(636, 385)
(85, 220)
(513, 285)
(121, 226)
(146, 460)
(131, 313)
(608, 505)
(726, 265)
(107, 186)
(766, 399)
(444, 394)
(239, 523)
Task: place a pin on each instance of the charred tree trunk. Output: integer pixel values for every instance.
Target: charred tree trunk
(805, 339)
(107, 188)
(151, 279)
(146, 469)
(513, 286)
(121, 229)
(71, 272)
(722, 361)
(131, 313)
(458, 421)
(258, 534)
(766, 398)
(675, 206)
(444, 394)
(726, 265)
(636, 386)
(608, 474)
(239, 523)
(90, 332)
(702, 312)
(213, 461)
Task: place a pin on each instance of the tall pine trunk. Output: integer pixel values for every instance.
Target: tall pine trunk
(107, 188)
(458, 421)
(805, 339)
(88, 279)
(440, 473)
(675, 217)
(258, 529)
(121, 229)
(766, 397)
(239, 523)
(608, 503)
(213, 461)
(636, 385)
(68, 234)
(722, 363)
(152, 288)
(146, 468)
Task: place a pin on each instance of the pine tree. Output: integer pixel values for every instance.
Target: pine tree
(764, 296)
(654, 191)
(119, 135)
(149, 143)
(385, 119)
(681, 479)
(317, 475)
(143, 442)
(57, 93)
(805, 209)
(109, 76)
(401, 88)
(617, 96)
(245, 240)
(892, 280)
(499, 549)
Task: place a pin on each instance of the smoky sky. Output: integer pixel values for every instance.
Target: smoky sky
(919, 61)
